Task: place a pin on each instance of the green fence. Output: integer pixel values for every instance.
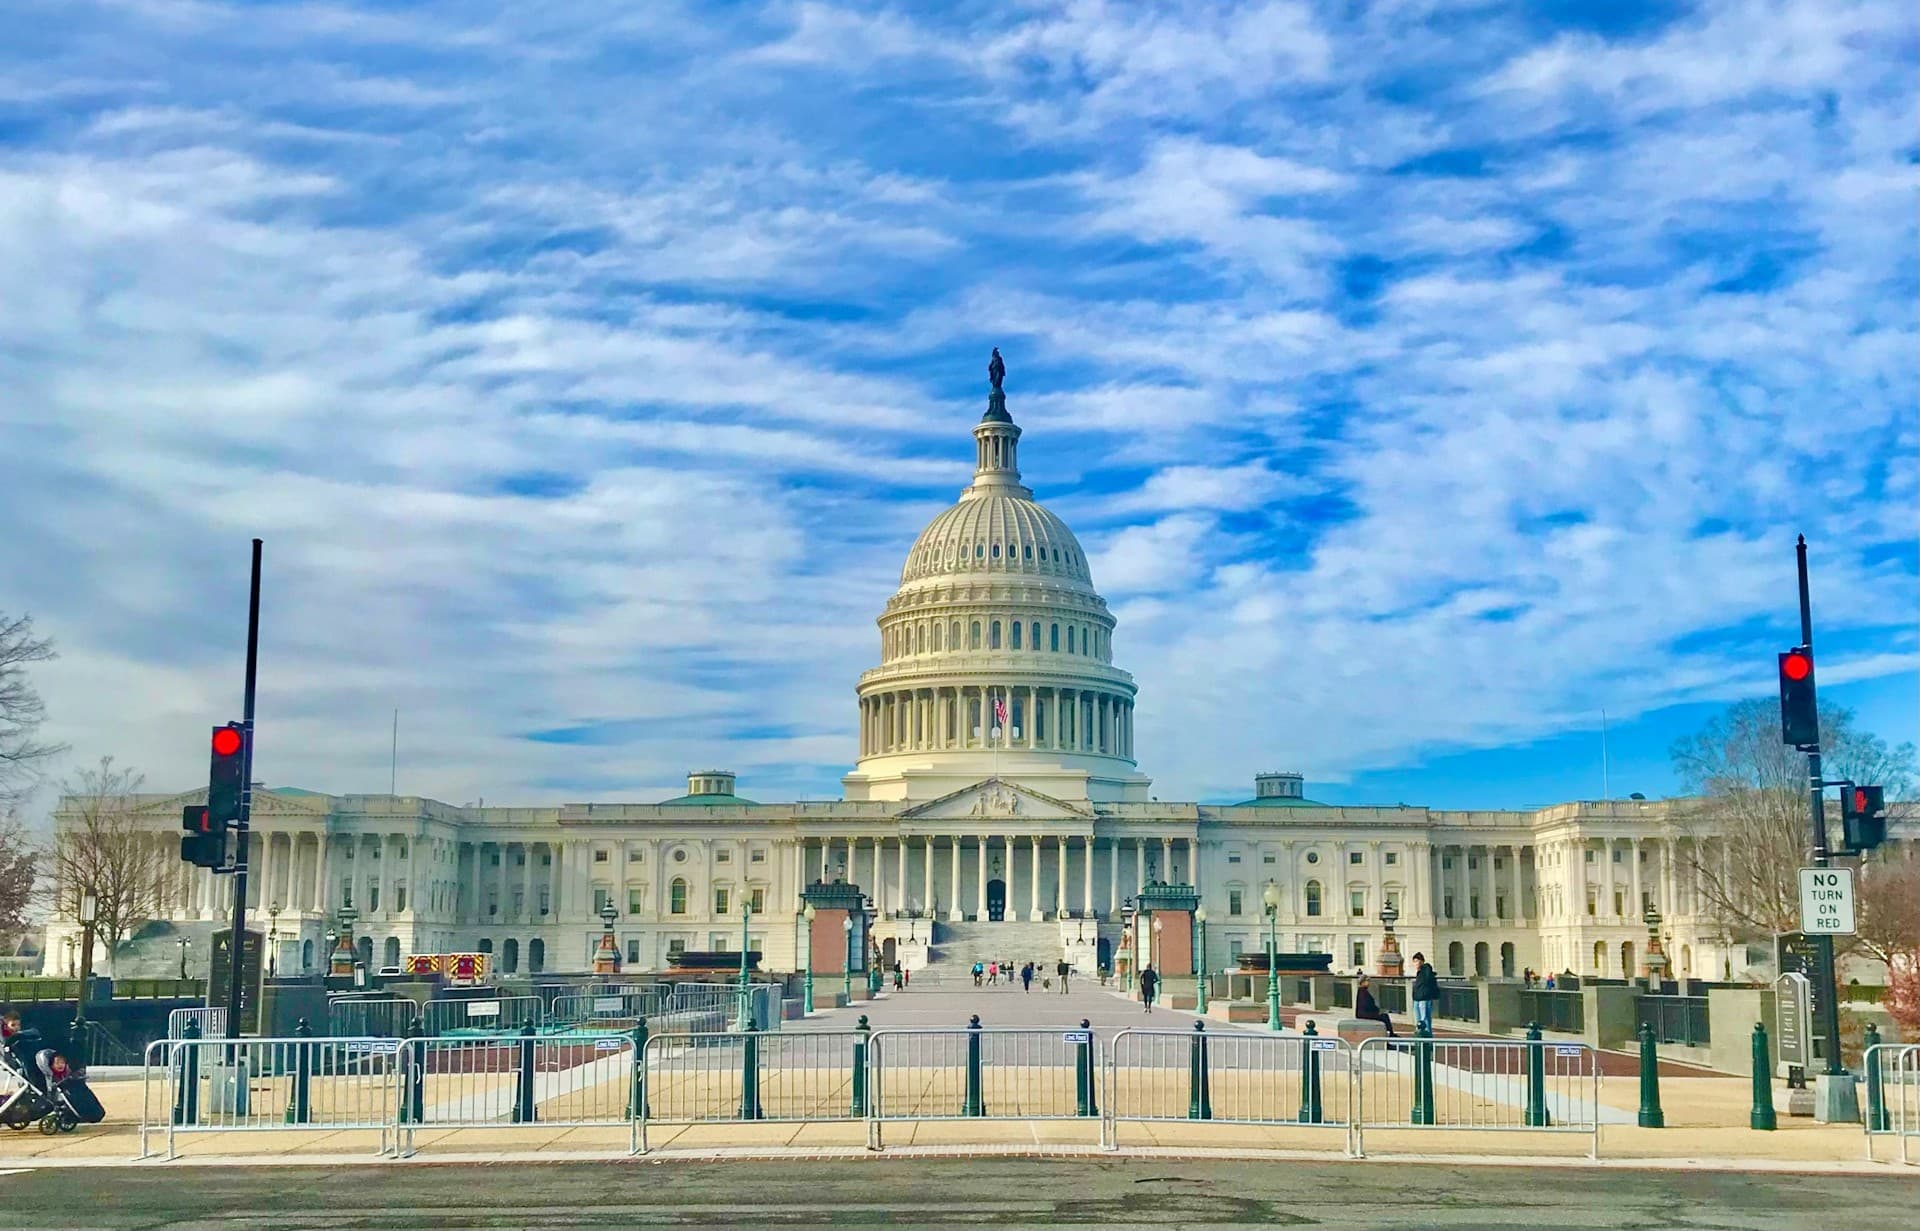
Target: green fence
(29, 991)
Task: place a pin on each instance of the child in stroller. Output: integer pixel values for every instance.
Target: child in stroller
(48, 1091)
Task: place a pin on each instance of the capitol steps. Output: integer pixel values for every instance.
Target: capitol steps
(957, 946)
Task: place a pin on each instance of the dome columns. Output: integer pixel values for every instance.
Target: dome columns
(957, 718)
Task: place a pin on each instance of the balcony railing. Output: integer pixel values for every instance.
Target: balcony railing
(1677, 1019)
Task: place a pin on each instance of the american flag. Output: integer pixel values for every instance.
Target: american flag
(1000, 711)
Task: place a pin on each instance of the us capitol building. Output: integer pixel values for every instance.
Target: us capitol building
(997, 791)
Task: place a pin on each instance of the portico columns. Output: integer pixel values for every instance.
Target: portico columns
(1113, 876)
(953, 901)
(980, 911)
(1060, 907)
(1087, 877)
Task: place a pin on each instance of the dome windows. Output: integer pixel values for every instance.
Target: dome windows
(1015, 644)
(996, 551)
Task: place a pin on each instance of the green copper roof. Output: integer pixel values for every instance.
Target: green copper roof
(708, 801)
(1280, 801)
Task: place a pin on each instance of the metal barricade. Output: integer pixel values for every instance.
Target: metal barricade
(492, 1015)
(618, 1009)
(976, 1073)
(246, 1085)
(1231, 1077)
(212, 1022)
(382, 1017)
(502, 1081)
(1891, 1097)
(816, 1076)
(1520, 1085)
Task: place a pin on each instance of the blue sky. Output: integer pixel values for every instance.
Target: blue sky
(1423, 379)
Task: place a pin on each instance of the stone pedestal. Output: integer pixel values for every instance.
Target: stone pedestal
(1836, 1099)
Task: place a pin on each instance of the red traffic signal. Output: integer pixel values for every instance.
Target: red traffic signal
(1864, 816)
(226, 776)
(227, 741)
(1799, 712)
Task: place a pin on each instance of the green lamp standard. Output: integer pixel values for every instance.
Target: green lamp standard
(743, 1021)
(184, 944)
(1139, 922)
(807, 996)
(846, 959)
(1200, 922)
(1271, 897)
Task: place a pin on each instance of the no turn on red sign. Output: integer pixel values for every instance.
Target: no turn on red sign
(1826, 901)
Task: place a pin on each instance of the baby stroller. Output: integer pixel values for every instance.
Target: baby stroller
(47, 1090)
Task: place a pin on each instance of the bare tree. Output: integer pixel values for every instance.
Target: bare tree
(17, 864)
(1889, 929)
(100, 848)
(21, 711)
(1748, 825)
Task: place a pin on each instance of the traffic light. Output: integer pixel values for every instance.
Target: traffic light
(1799, 715)
(227, 778)
(1863, 817)
(199, 844)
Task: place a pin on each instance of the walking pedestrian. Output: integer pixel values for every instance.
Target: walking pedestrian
(1064, 969)
(1026, 978)
(993, 973)
(979, 973)
(1366, 1008)
(1149, 983)
(899, 978)
(1426, 990)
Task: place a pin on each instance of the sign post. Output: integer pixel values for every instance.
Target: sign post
(1826, 901)
(224, 977)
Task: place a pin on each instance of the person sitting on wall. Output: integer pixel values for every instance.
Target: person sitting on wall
(1366, 1008)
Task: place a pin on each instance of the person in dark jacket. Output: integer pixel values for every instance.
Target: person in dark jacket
(1426, 990)
(1366, 1008)
(1149, 984)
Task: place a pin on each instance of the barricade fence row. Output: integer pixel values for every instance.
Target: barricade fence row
(217, 1085)
(1892, 1096)
(1477, 1084)
(351, 1017)
(210, 1022)
(686, 1067)
(493, 1015)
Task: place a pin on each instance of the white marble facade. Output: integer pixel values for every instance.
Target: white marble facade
(952, 812)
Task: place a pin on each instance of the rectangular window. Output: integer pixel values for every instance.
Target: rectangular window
(1233, 856)
(493, 860)
(633, 901)
(601, 856)
(1499, 861)
(1616, 855)
(1393, 857)
(373, 896)
(544, 906)
(676, 947)
(1500, 907)
(636, 852)
(757, 856)
(546, 859)
(1053, 639)
(1473, 862)
(1267, 858)
(403, 848)
(1359, 954)
(723, 856)
(1589, 854)
(717, 942)
(1446, 862)
(1619, 902)
(1233, 901)
(600, 899)
(400, 897)
(346, 892)
(1591, 904)
(1473, 905)
(1357, 903)
(633, 950)
(1353, 857)
(720, 901)
(1393, 900)
(757, 901)
(1448, 910)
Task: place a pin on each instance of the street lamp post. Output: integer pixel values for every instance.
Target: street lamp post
(89, 910)
(273, 941)
(1390, 963)
(1139, 921)
(184, 943)
(846, 960)
(806, 1004)
(1271, 897)
(1656, 958)
(744, 1020)
(1200, 920)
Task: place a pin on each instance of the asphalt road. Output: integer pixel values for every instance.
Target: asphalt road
(943, 1193)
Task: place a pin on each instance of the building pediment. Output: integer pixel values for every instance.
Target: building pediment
(995, 798)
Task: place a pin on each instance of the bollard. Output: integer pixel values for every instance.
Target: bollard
(1537, 1116)
(1423, 1073)
(523, 1109)
(1083, 1072)
(637, 1097)
(1199, 1083)
(300, 1106)
(186, 1095)
(1761, 1117)
(1650, 1114)
(976, 1105)
(414, 1074)
(1877, 1119)
(750, 1075)
(1310, 1108)
(860, 1066)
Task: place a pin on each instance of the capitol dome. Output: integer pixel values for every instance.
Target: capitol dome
(996, 652)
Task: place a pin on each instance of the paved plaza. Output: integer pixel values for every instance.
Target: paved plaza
(941, 999)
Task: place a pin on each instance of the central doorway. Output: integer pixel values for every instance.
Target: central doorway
(996, 901)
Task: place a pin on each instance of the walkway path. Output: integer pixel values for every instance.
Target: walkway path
(941, 1000)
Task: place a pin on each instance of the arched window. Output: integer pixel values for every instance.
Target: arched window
(677, 896)
(536, 956)
(1599, 957)
(993, 636)
(973, 635)
(1313, 897)
(1506, 959)
(1626, 959)
(510, 957)
(1016, 636)
(1456, 959)
(486, 944)
(953, 637)
(1026, 552)
(1686, 959)
(1053, 638)
(937, 629)
(979, 551)
(1069, 638)
(365, 949)
(996, 551)
(392, 957)
(1480, 959)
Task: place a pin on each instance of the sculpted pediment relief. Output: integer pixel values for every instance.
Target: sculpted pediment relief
(993, 799)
